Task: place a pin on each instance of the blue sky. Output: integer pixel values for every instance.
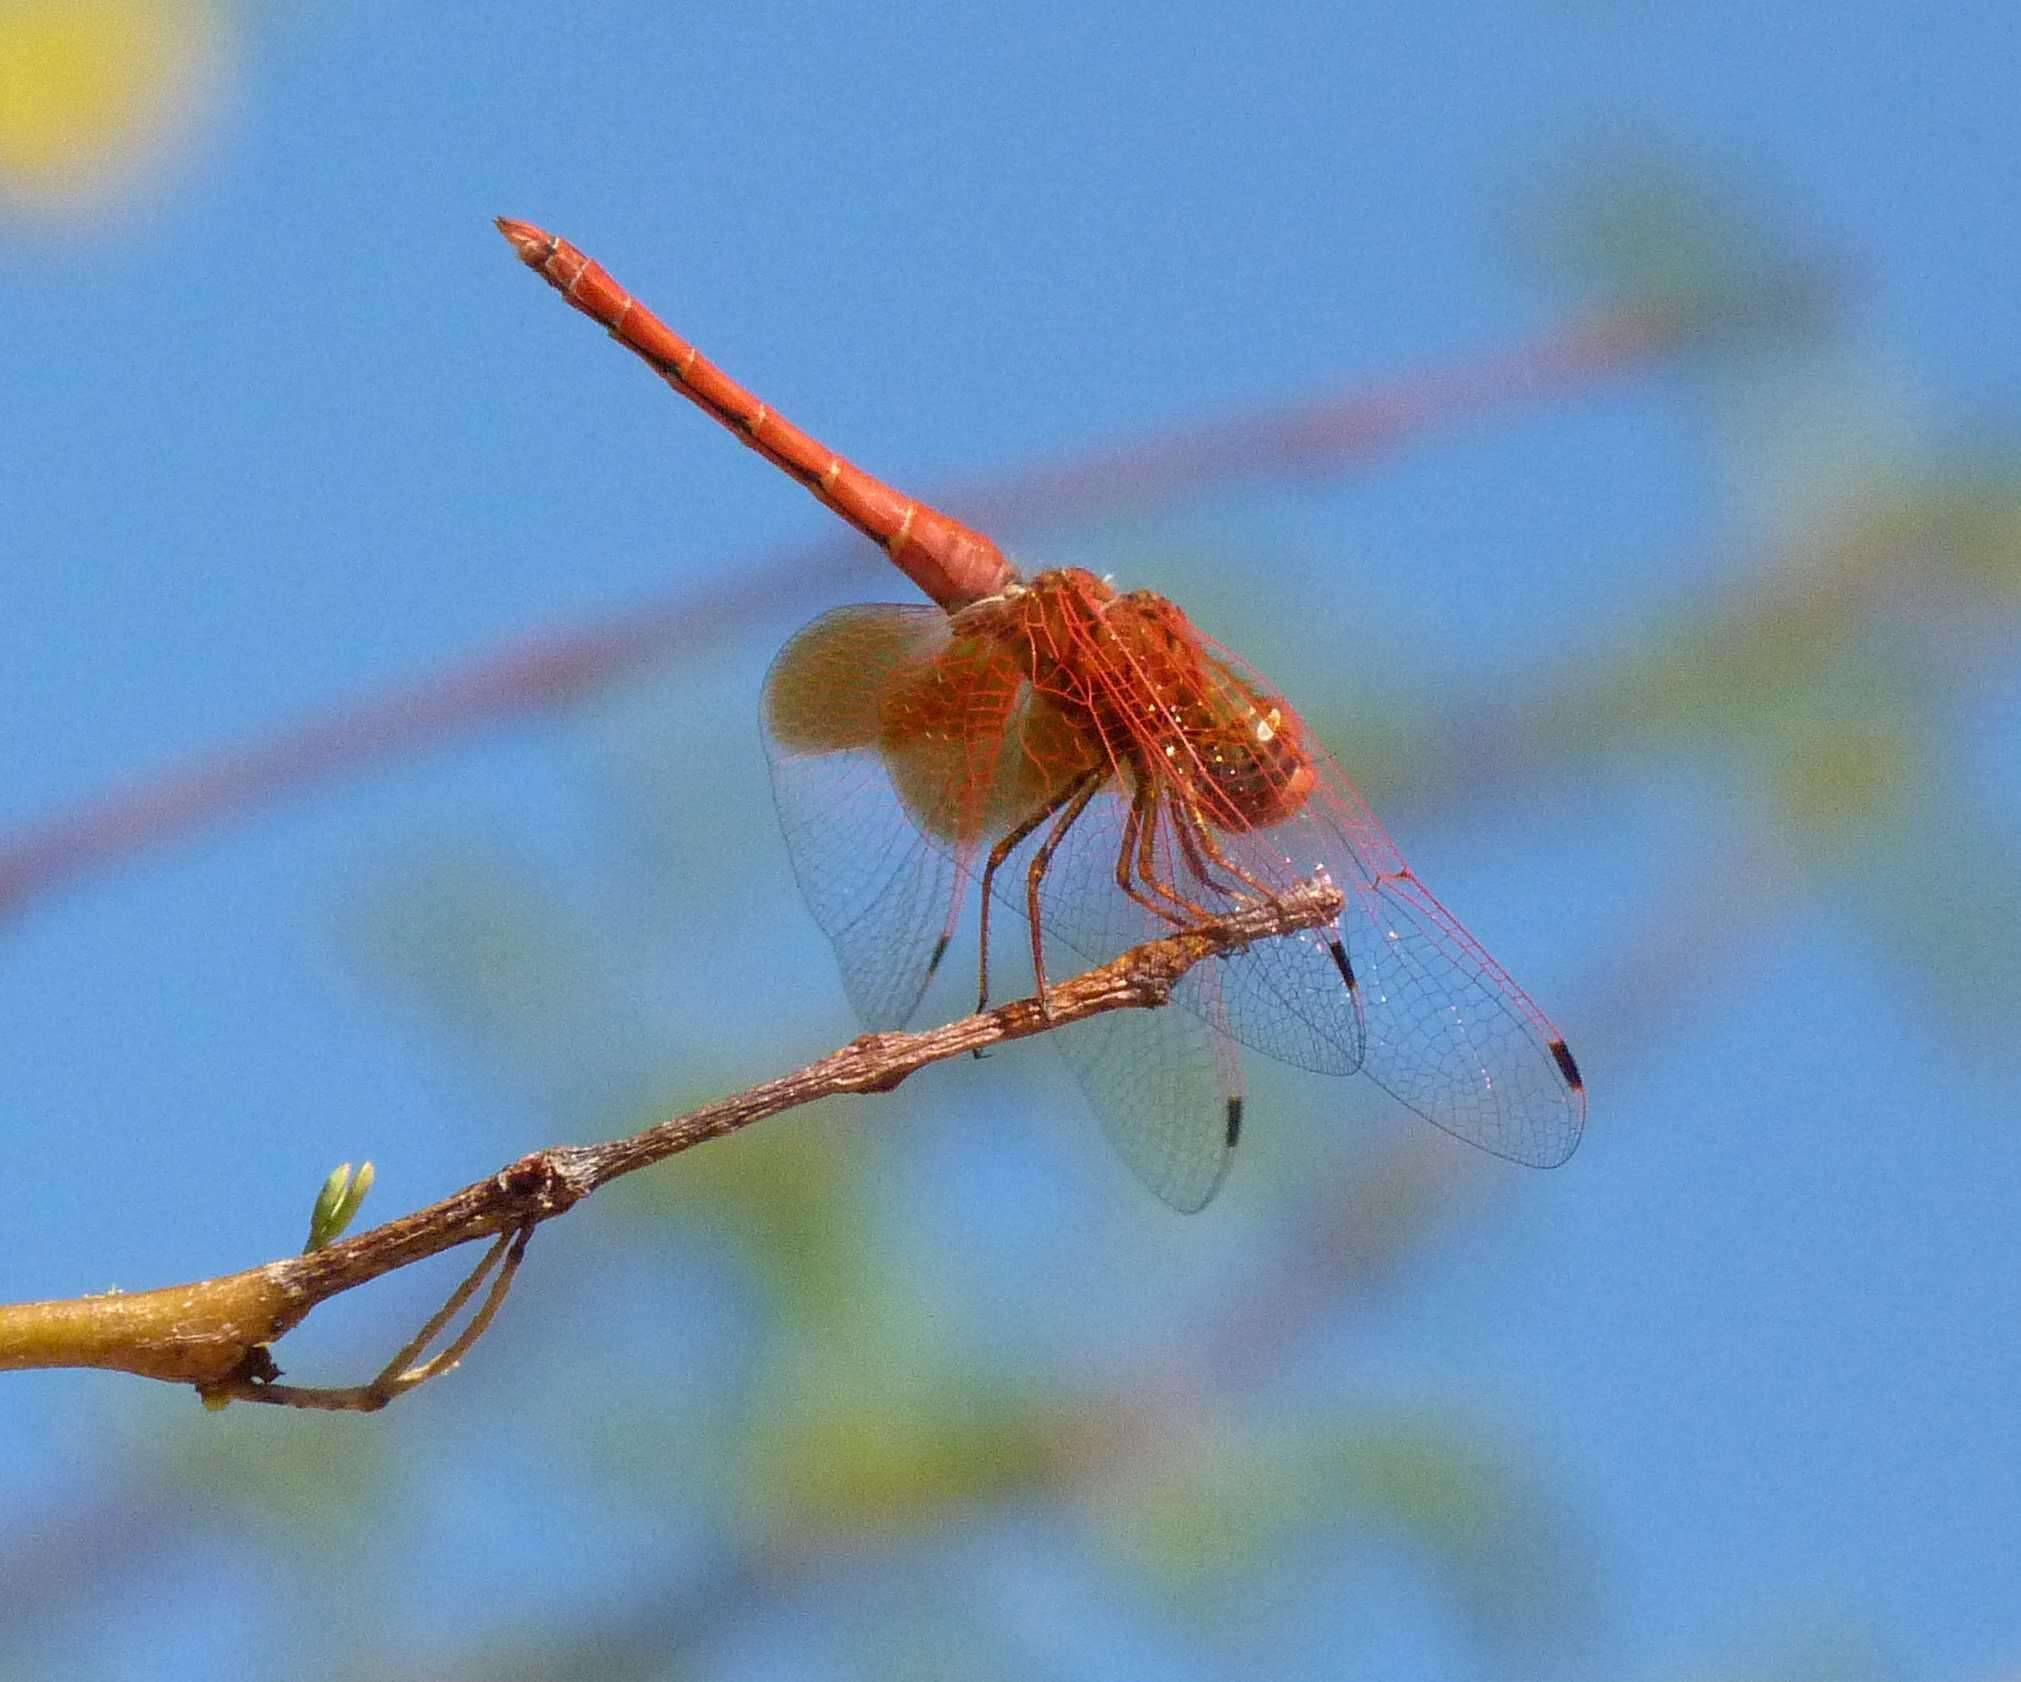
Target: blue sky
(287, 425)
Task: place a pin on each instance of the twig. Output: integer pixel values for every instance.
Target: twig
(216, 1333)
(397, 1377)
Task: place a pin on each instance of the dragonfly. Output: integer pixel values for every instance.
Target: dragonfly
(1109, 774)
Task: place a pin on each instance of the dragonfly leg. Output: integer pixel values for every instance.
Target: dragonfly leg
(1196, 841)
(1080, 793)
(1141, 838)
(1082, 788)
(1197, 845)
(1141, 820)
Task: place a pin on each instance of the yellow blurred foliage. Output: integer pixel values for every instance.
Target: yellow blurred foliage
(94, 92)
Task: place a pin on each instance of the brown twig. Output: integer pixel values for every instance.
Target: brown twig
(216, 1333)
(406, 1370)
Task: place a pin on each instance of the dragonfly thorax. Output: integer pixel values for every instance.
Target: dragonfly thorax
(1168, 710)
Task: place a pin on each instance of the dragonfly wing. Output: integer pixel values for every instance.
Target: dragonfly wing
(1451, 1036)
(883, 895)
(894, 749)
(1166, 1086)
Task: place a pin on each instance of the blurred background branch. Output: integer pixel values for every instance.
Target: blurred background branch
(555, 669)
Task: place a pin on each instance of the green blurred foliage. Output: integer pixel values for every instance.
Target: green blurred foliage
(1234, 1502)
(286, 1477)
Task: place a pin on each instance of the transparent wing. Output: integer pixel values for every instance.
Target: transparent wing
(1166, 1086)
(882, 893)
(1451, 1036)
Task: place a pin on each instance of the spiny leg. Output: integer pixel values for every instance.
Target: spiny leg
(1141, 820)
(1177, 910)
(1003, 850)
(1197, 844)
(1042, 860)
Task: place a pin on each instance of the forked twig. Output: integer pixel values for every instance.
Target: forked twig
(398, 1376)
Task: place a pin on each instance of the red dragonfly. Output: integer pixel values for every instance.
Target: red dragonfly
(1112, 775)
